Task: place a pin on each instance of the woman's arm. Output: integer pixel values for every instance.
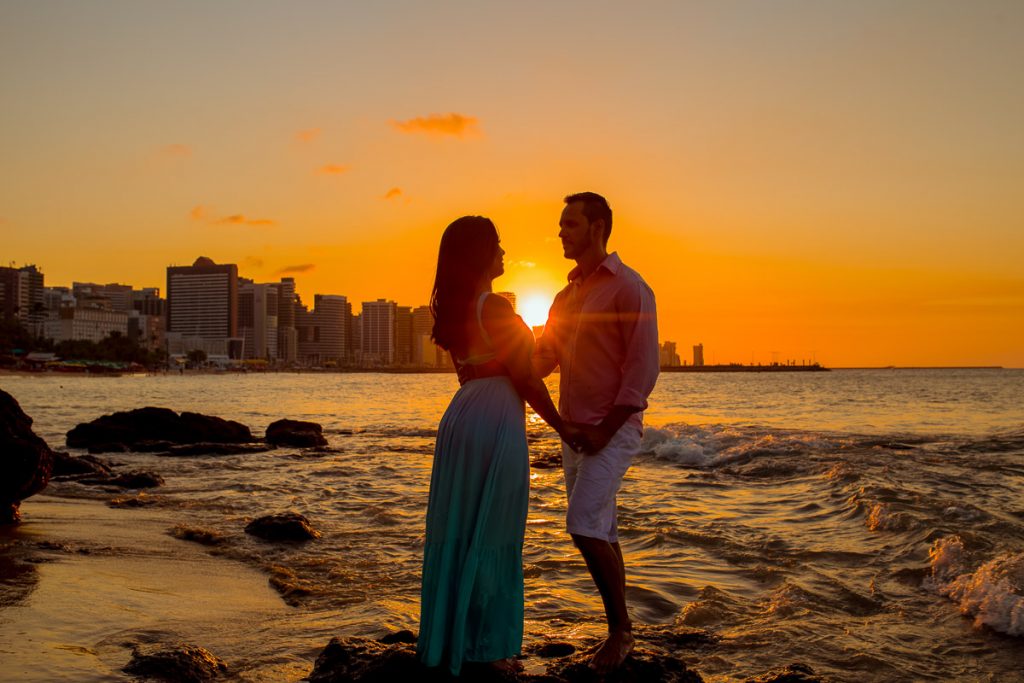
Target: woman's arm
(513, 347)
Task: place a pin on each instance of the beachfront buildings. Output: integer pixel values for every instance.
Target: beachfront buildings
(668, 358)
(378, 333)
(698, 355)
(323, 333)
(21, 297)
(257, 319)
(202, 307)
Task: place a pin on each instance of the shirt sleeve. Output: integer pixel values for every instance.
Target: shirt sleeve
(639, 320)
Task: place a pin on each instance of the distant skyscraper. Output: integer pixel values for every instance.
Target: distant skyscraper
(378, 338)
(668, 356)
(257, 319)
(202, 302)
(510, 296)
(119, 296)
(22, 297)
(287, 334)
(403, 335)
(698, 355)
(424, 351)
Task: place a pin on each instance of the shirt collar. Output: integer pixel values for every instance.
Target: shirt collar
(610, 263)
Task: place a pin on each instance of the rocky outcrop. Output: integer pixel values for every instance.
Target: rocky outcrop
(26, 462)
(286, 526)
(68, 466)
(373, 661)
(180, 663)
(143, 426)
(296, 433)
(393, 658)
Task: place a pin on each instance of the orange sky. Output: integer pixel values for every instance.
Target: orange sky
(830, 181)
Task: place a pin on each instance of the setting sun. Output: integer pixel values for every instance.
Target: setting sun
(534, 309)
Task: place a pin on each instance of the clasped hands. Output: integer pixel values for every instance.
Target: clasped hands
(585, 438)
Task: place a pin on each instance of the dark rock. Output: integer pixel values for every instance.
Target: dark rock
(26, 462)
(137, 480)
(549, 650)
(641, 665)
(215, 449)
(201, 536)
(361, 659)
(65, 465)
(792, 673)
(184, 663)
(287, 526)
(146, 425)
(403, 636)
(295, 433)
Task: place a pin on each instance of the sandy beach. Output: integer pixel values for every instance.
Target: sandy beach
(81, 582)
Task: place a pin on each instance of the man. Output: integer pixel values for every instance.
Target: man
(602, 332)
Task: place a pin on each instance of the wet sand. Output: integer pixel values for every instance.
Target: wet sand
(80, 582)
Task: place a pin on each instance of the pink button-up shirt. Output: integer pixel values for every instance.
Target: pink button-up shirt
(602, 332)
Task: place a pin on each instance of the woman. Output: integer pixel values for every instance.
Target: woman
(472, 594)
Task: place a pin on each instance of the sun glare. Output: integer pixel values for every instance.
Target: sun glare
(534, 309)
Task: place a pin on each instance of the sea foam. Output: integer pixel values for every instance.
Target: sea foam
(993, 593)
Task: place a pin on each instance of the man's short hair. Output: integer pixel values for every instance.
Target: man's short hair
(595, 207)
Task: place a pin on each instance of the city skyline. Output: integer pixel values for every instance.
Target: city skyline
(840, 178)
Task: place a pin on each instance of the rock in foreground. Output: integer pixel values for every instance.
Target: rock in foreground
(185, 663)
(142, 426)
(26, 462)
(295, 433)
(286, 526)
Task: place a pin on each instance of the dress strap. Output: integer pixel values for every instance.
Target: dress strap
(480, 318)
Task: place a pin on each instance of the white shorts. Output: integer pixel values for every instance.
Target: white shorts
(591, 482)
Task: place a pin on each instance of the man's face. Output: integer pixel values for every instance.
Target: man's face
(575, 231)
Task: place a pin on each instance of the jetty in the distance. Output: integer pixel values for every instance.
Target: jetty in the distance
(739, 367)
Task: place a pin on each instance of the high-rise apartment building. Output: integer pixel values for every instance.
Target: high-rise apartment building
(698, 355)
(257, 319)
(287, 334)
(22, 297)
(323, 332)
(202, 304)
(378, 338)
(403, 335)
(668, 358)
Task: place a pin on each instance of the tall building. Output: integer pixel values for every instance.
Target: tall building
(287, 335)
(403, 335)
(257, 319)
(698, 355)
(378, 338)
(323, 332)
(668, 358)
(202, 305)
(425, 353)
(22, 297)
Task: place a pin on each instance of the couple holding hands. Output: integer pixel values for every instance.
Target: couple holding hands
(602, 335)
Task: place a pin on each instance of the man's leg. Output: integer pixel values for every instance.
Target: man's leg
(604, 560)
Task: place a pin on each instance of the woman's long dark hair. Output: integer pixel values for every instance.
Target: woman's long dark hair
(468, 248)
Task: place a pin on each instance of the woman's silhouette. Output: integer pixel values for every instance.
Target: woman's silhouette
(472, 593)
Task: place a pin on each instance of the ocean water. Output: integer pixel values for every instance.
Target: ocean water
(869, 523)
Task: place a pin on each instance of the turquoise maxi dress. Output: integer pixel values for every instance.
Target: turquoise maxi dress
(471, 607)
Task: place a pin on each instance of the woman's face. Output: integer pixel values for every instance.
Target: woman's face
(498, 265)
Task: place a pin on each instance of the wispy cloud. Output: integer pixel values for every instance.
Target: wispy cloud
(240, 219)
(393, 193)
(176, 151)
(458, 125)
(197, 213)
(301, 268)
(308, 135)
(252, 262)
(334, 169)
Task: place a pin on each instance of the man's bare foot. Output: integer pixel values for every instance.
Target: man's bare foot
(613, 652)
